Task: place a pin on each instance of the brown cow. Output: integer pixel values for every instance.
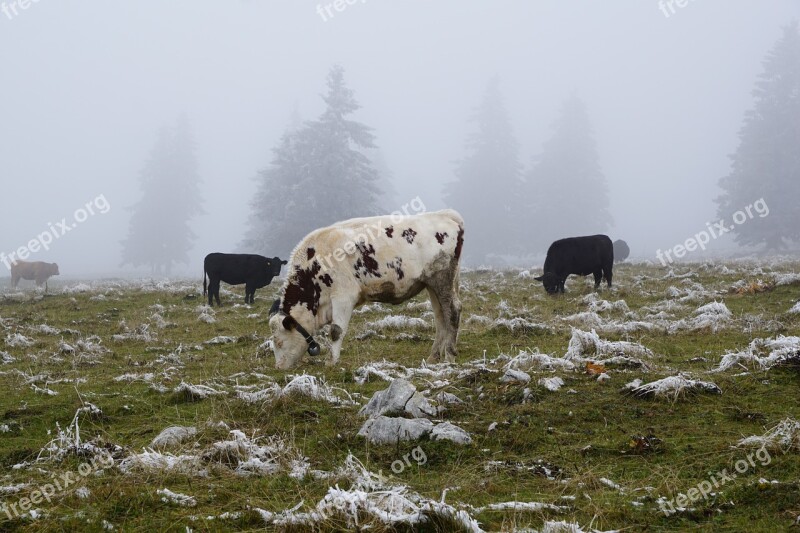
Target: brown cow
(35, 270)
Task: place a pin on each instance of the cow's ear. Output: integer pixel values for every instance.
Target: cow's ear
(540, 278)
(288, 323)
(284, 262)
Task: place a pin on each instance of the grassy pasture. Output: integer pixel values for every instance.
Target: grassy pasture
(610, 455)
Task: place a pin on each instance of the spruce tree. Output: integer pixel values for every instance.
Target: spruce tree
(566, 190)
(766, 164)
(320, 174)
(487, 185)
(160, 234)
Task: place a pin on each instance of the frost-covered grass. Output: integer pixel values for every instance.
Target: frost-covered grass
(268, 452)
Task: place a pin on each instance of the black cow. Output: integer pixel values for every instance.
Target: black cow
(577, 255)
(255, 271)
(621, 251)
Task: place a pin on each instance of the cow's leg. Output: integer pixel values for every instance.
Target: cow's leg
(441, 328)
(607, 273)
(248, 293)
(445, 293)
(213, 291)
(14, 281)
(598, 276)
(342, 311)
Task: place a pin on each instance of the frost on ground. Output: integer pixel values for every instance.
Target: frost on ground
(784, 437)
(371, 500)
(785, 278)
(221, 339)
(18, 340)
(68, 442)
(764, 354)
(674, 387)
(520, 325)
(551, 384)
(691, 292)
(588, 346)
(173, 436)
(535, 360)
(139, 333)
(182, 500)
(711, 317)
(205, 314)
(302, 385)
(240, 454)
(316, 388)
(398, 322)
(196, 392)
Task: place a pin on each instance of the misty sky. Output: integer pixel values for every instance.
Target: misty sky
(87, 85)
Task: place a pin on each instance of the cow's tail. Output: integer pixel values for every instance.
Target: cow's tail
(205, 287)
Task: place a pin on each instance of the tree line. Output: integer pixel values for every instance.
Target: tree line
(330, 169)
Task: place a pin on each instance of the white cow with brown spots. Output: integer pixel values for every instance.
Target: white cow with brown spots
(386, 259)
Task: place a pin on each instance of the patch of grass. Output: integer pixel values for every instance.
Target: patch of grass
(587, 432)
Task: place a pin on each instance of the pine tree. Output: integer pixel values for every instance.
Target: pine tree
(766, 164)
(319, 174)
(160, 234)
(488, 181)
(566, 190)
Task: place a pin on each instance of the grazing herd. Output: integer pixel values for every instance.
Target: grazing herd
(386, 259)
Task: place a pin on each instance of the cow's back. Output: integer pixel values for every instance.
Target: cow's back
(579, 255)
(382, 258)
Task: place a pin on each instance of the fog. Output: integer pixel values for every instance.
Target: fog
(88, 85)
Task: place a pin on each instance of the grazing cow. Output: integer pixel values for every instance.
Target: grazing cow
(379, 259)
(35, 270)
(577, 255)
(621, 251)
(255, 271)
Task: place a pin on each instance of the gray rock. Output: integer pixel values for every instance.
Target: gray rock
(419, 406)
(391, 400)
(451, 432)
(515, 375)
(386, 430)
(448, 398)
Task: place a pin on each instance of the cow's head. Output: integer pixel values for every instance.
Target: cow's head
(274, 266)
(549, 281)
(290, 340)
(54, 269)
